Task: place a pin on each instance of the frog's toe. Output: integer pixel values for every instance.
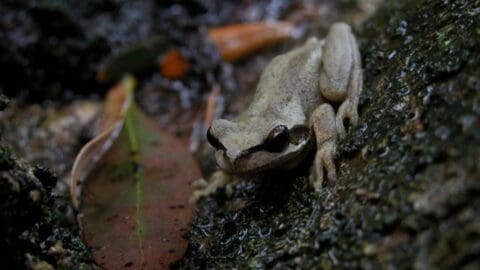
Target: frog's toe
(346, 111)
(324, 164)
(316, 180)
(198, 194)
(200, 183)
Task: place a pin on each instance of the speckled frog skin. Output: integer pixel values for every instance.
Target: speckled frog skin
(291, 107)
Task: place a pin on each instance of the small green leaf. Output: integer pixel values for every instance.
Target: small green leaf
(136, 59)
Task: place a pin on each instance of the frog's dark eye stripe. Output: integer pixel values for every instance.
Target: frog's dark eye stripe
(277, 139)
(213, 141)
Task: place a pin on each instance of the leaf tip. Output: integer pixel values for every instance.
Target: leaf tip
(129, 83)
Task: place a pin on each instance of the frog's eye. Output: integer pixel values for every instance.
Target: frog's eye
(277, 139)
(213, 141)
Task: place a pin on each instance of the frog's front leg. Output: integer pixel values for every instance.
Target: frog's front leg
(341, 73)
(204, 189)
(323, 122)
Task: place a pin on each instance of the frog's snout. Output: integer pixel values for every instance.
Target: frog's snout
(223, 161)
(233, 162)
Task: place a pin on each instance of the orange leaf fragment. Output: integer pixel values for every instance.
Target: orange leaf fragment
(174, 65)
(236, 41)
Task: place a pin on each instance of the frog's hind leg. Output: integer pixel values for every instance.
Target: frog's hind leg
(341, 73)
(324, 126)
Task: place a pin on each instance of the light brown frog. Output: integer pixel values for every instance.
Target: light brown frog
(293, 103)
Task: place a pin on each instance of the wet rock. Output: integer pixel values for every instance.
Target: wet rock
(408, 173)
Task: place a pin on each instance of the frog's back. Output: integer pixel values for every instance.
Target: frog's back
(293, 74)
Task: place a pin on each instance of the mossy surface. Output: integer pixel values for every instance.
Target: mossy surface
(35, 233)
(407, 193)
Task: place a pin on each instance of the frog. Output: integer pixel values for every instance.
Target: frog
(301, 103)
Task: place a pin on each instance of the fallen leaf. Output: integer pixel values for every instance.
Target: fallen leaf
(237, 41)
(212, 105)
(173, 65)
(134, 182)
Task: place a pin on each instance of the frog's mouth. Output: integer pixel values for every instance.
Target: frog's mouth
(257, 159)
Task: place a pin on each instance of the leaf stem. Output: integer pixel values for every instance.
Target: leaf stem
(129, 84)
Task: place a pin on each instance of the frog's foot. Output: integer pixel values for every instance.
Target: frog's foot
(348, 110)
(217, 180)
(324, 163)
(323, 122)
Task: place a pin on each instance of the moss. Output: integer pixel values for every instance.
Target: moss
(35, 233)
(6, 158)
(408, 173)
